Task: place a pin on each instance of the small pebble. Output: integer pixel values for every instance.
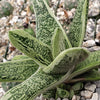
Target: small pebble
(75, 97)
(95, 96)
(20, 2)
(97, 83)
(94, 7)
(89, 43)
(82, 98)
(90, 87)
(2, 92)
(90, 31)
(52, 99)
(86, 94)
(59, 99)
(23, 13)
(98, 91)
(65, 99)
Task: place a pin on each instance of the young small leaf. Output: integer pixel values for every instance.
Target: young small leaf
(58, 42)
(62, 93)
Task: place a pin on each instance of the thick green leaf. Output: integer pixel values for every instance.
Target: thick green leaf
(65, 60)
(91, 62)
(17, 70)
(92, 75)
(40, 81)
(58, 42)
(78, 26)
(8, 85)
(62, 93)
(77, 86)
(31, 47)
(46, 22)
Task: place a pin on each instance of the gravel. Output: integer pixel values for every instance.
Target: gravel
(21, 12)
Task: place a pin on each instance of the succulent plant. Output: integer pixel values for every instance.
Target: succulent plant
(6, 9)
(51, 58)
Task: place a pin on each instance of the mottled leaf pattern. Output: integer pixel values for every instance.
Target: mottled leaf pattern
(17, 71)
(33, 86)
(46, 22)
(41, 81)
(78, 26)
(30, 46)
(65, 60)
(51, 73)
(91, 62)
(92, 75)
(58, 42)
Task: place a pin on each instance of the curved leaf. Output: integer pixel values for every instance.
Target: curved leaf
(36, 84)
(91, 62)
(31, 47)
(8, 85)
(92, 75)
(78, 26)
(62, 93)
(58, 42)
(46, 22)
(40, 81)
(65, 60)
(17, 70)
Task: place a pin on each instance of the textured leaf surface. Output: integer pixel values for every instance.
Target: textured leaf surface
(58, 42)
(17, 71)
(91, 62)
(36, 84)
(50, 94)
(65, 60)
(46, 22)
(78, 26)
(41, 82)
(8, 85)
(31, 47)
(62, 93)
(92, 75)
